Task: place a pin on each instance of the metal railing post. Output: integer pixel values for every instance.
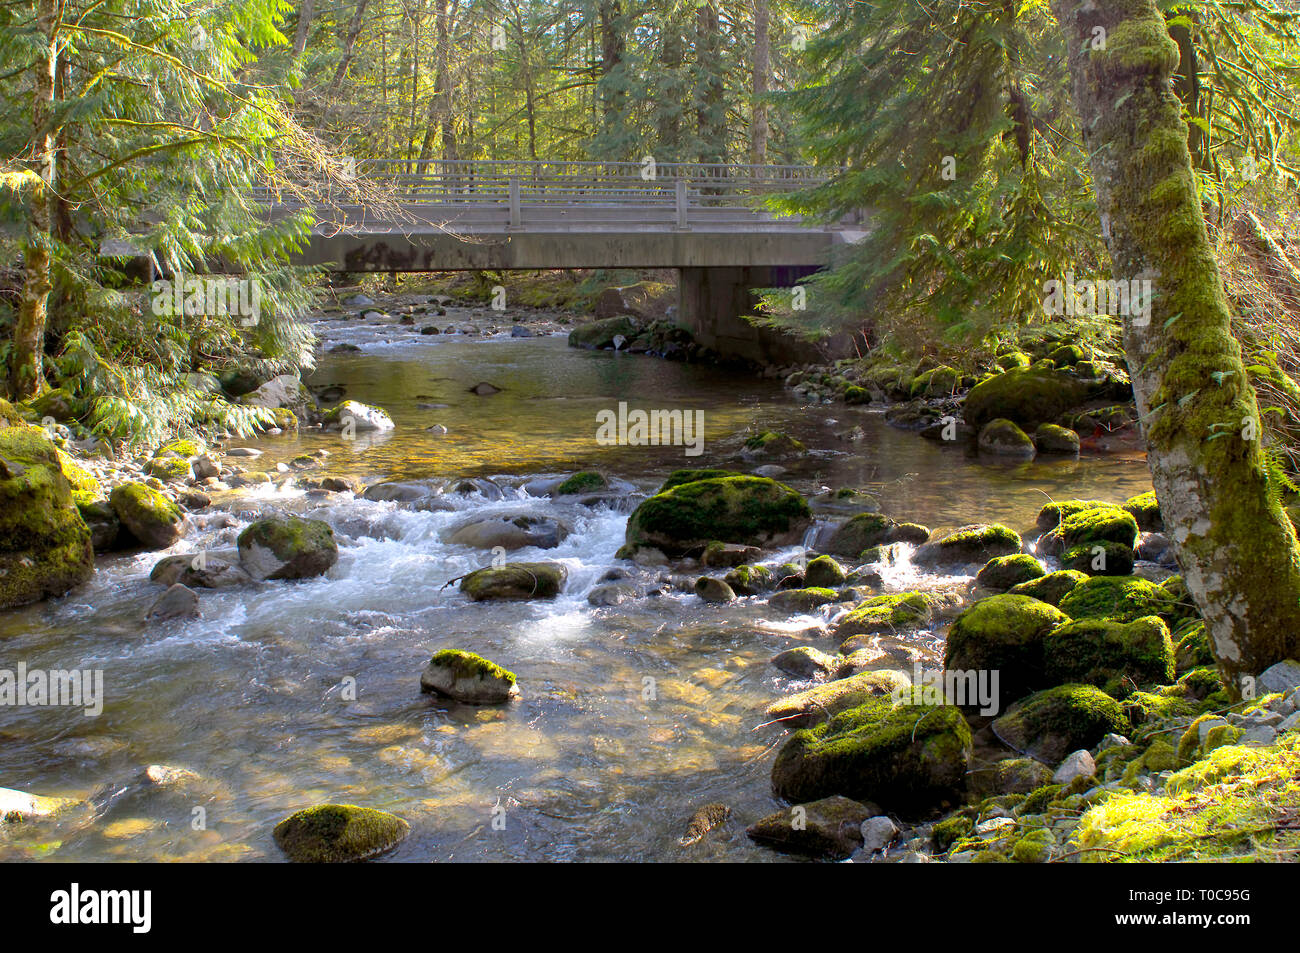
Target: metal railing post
(515, 216)
(680, 189)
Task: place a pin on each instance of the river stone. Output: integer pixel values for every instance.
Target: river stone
(45, 547)
(1004, 572)
(822, 701)
(106, 532)
(1026, 396)
(1003, 438)
(398, 492)
(1048, 725)
(611, 594)
(515, 581)
(804, 661)
(178, 602)
(878, 833)
(714, 590)
(1051, 438)
(202, 570)
(753, 511)
(363, 417)
(1117, 657)
(287, 548)
(702, 821)
(1020, 776)
(285, 391)
(599, 335)
(907, 757)
(26, 806)
(148, 515)
(510, 531)
(1004, 634)
(469, 678)
(802, 600)
(1077, 765)
(829, 827)
(824, 573)
(977, 543)
(339, 833)
(1051, 588)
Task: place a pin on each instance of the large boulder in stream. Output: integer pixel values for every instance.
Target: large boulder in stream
(753, 511)
(45, 548)
(515, 581)
(907, 757)
(148, 515)
(469, 678)
(339, 834)
(360, 417)
(1027, 396)
(1004, 634)
(287, 548)
(599, 335)
(509, 531)
(1050, 724)
(970, 544)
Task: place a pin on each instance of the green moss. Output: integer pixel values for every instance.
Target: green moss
(1012, 359)
(855, 395)
(515, 581)
(886, 613)
(944, 834)
(1004, 437)
(802, 600)
(1068, 355)
(1121, 598)
(1004, 572)
(1099, 524)
(749, 580)
(679, 477)
(1004, 634)
(1050, 588)
(339, 833)
(1118, 658)
(1034, 848)
(774, 442)
(936, 382)
(170, 469)
(824, 572)
(468, 665)
(1053, 514)
(1146, 511)
(970, 544)
(1027, 396)
(906, 757)
(304, 547)
(749, 510)
(861, 532)
(1038, 800)
(1048, 725)
(185, 448)
(1099, 559)
(584, 482)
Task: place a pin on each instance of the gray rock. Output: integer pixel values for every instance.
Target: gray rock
(509, 531)
(611, 594)
(243, 452)
(1279, 677)
(713, 590)
(804, 661)
(1077, 765)
(878, 833)
(178, 602)
(468, 678)
(1259, 735)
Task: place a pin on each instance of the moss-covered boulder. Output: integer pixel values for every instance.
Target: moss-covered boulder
(287, 548)
(1117, 657)
(774, 444)
(170, 469)
(754, 511)
(1099, 559)
(1193, 647)
(1121, 598)
(1050, 588)
(822, 701)
(1050, 724)
(1052, 514)
(830, 828)
(939, 381)
(749, 580)
(804, 661)
(824, 572)
(1003, 438)
(1054, 439)
(887, 613)
(1003, 634)
(1002, 572)
(802, 600)
(587, 481)
(678, 477)
(515, 581)
(969, 544)
(1020, 776)
(45, 546)
(339, 834)
(905, 757)
(469, 678)
(1027, 396)
(1145, 509)
(1099, 524)
(714, 590)
(599, 335)
(358, 417)
(148, 515)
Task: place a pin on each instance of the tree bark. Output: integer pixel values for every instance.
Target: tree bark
(1199, 416)
(762, 76)
(440, 119)
(304, 24)
(26, 368)
(350, 42)
(709, 116)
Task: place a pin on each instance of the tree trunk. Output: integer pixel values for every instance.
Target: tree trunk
(440, 118)
(26, 370)
(709, 116)
(762, 74)
(350, 42)
(1199, 417)
(304, 24)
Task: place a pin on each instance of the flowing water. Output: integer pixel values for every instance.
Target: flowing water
(631, 717)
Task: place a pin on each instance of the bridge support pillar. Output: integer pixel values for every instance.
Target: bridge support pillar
(712, 304)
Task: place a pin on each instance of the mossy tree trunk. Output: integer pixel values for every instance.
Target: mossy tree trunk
(1199, 417)
(26, 373)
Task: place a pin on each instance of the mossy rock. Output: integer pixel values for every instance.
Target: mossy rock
(773, 443)
(861, 532)
(1099, 559)
(1050, 724)
(752, 511)
(1003, 572)
(186, 448)
(587, 481)
(830, 827)
(749, 580)
(820, 702)
(1099, 524)
(714, 590)
(1193, 648)
(1034, 848)
(947, 832)
(170, 469)
(148, 515)
(1117, 657)
(1067, 355)
(1053, 514)
(85, 488)
(515, 581)
(1020, 776)
(469, 678)
(886, 613)
(1050, 588)
(284, 418)
(1003, 634)
(1026, 396)
(1121, 598)
(1146, 511)
(287, 548)
(1004, 438)
(802, 600)
(45, 546)
(969, 544)
(339, 833)
(1055, 439)
(855, 396)
(678, 477)
(824, 572)
(1012, 360)
(939, 381)
(906, 757)
(1182, 606)
(600, 334)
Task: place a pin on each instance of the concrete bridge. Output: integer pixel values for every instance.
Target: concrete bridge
(710, 222)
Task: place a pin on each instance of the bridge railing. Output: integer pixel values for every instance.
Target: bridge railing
(515, 194)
